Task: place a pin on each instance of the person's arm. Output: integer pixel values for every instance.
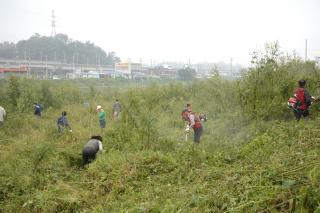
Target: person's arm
(100, 146)
(66, 123)
(307, 98)
(192, 122)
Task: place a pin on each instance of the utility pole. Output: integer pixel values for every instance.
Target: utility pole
(73, 63)
(77, 58)
(25, 60)
(46, 67)
(28, 74)
(140, 66)
(306, 51)
(231, 70)
(53, 25)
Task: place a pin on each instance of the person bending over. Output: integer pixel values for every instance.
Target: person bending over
(90, 150)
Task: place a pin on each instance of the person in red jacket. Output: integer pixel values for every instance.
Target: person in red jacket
(195, 123)
(303, 99)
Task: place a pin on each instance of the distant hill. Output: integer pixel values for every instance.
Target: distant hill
(58, 48)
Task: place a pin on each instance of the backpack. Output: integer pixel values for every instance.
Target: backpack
(300, 97)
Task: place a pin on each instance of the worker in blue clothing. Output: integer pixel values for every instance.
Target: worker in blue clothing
(63, 123)
(37, 110)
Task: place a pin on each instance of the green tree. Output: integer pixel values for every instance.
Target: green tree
(187, 73)
(58, 48)
(13, 91)
(7, 50)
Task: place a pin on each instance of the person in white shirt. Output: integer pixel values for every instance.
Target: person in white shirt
(2, 115)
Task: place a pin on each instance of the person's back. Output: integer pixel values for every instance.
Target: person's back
(194, 121)
(303, 100)
(2, 115)
(300, 96)
(37, 110)
(91, 148)
(116, 107)
(62, 122)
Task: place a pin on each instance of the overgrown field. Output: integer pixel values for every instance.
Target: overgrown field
(253, 156)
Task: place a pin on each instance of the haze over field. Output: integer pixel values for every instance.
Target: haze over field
(179, 30)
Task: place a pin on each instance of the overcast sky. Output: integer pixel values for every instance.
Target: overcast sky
(171, 30)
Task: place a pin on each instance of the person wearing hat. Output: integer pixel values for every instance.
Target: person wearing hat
(102, 116)
(2, 115)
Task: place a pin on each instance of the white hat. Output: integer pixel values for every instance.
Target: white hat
(99, 107)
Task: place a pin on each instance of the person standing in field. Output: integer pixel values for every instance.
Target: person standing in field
(102, 117)
(116, 109)
(63, 123)
(195, 123)
(2, 115)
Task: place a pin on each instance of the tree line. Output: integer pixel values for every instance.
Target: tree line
(58, 48)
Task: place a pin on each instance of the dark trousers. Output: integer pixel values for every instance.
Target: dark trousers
(60, 128)
(102, 123)
(88, 154)
(197, 134)
(298, 113)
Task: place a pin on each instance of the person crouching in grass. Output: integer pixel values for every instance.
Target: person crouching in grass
(92, 147)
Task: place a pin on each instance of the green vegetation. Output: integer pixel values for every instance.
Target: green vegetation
(254, 157)
(58, 48)
(187, 73)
